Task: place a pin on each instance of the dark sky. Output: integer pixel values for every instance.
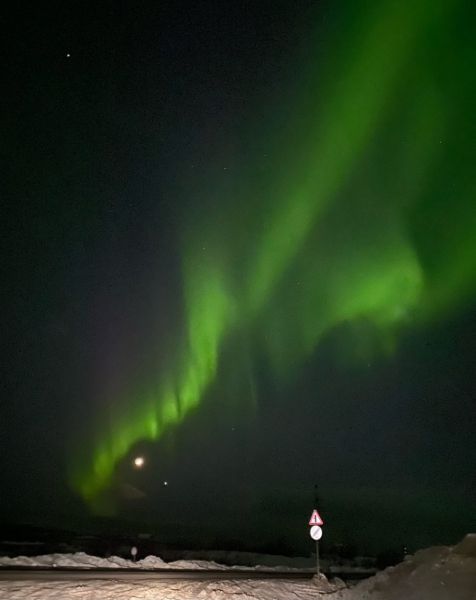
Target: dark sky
(118, 120)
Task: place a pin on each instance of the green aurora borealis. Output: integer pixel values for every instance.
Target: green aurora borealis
(366, 223)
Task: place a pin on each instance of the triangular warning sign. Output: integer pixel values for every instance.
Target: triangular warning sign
(315, 519)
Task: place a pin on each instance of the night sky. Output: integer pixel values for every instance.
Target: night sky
(240, 242)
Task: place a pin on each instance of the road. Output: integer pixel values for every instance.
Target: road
(68, 574)
(61, 574)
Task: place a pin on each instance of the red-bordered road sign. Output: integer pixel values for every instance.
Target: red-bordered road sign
(315, 519)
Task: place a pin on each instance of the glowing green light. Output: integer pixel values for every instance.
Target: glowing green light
(325, 245)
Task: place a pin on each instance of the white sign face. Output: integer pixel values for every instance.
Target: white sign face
(316, 532)
(133, 550)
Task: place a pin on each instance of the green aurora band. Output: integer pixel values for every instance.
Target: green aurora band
(352, 229)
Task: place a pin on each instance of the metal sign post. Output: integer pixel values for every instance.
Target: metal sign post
(316, 534)
(317, 559)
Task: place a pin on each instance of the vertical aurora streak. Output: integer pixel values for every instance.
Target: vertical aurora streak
(327, 247)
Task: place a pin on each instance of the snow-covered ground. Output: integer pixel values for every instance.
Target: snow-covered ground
(167, 590)
(216, 560)
(266, 561)
(241, 560)
(439, 573)
(82, 560)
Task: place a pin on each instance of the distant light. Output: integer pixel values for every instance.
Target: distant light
(166, 483)
(139, 462)
(68, 55)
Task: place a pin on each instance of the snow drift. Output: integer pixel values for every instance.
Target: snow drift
(439, 573)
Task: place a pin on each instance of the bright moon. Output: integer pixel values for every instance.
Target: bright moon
(139, 461)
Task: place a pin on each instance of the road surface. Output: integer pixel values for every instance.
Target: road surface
(71, 574)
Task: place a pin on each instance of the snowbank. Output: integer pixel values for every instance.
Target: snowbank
(254, 560)
(82, 560)
(438, 573)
